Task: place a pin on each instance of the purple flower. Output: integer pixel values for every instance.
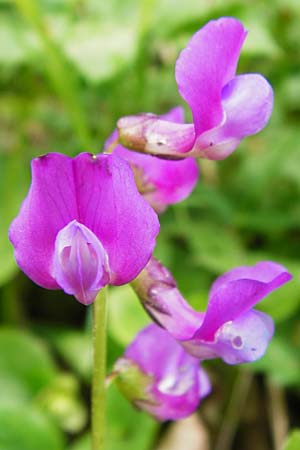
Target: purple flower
(226, 107)
(230, 328)
(160, 181)
(158, 376)
(83, 225)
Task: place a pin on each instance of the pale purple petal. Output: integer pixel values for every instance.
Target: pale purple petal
(160, 181)
(237, 291)
(49, 206)
(243, 340)
(247, 102)
(177, 384)
(205, 66)
(81, 266)
(147, 133)
(111, 206)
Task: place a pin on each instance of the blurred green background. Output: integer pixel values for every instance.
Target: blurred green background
(69, 70)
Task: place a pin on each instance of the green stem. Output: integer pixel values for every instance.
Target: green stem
(99, 371)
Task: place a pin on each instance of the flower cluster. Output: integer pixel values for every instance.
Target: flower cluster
(90, 221)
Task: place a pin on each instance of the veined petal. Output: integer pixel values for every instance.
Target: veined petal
(160, 181)
(205, 66)
(247, 102)
(237, 291)
(49, 206)
(111, 206)
(98, 192)
(80, 265)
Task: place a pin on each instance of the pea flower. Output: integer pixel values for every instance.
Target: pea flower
(229, 329)
(83, 225)
(158, 376)
(160, 181)
(226, 107)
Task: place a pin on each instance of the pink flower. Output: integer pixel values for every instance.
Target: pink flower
(230, 328)
(83, 225)
(226, 107)
(158, 376)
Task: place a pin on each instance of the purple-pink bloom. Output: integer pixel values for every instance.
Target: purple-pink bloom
(160, 377)
(161, 182)
(230, 328)
(226, 107)
(83, 225)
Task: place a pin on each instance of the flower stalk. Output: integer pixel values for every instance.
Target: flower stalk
(99, 370)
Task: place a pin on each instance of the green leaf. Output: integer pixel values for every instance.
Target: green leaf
(25, 366)
(27, 429)
(126, 315)
(70, 344)
(100, 51)
(293, 441)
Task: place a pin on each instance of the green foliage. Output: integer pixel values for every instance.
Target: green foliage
(69, 70)
(27, 430)
(293, 441)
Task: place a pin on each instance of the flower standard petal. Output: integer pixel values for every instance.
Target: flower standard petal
(205, 66)
(49, 206)
(99, 193)
(111, 206)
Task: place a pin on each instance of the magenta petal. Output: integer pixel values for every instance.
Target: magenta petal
(247, 101)
(243, 340)
(178, 382)
(98, 192)
(205, 66)
(237, 291)
(81, 265)
(49, 206)
(111, 206)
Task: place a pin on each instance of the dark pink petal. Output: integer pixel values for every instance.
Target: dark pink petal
(49, 206)
(161, 182)
(110, 205)
(247, 101)
(98, 192)
(242, 340)
(237, 291)
(205, 66)
(81, 266)
(177, 382)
